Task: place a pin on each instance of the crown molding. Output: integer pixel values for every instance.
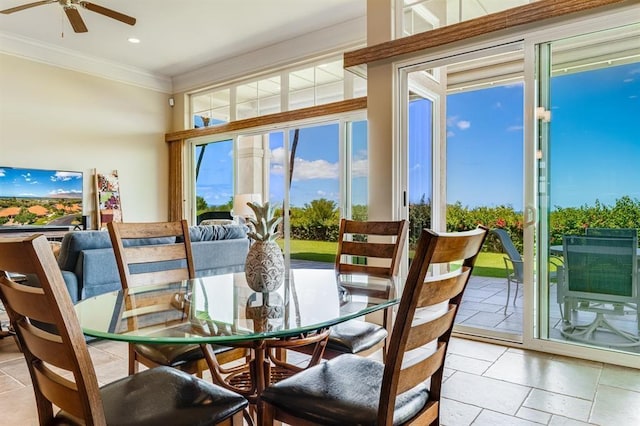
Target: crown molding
(30, 49)
(336, 38)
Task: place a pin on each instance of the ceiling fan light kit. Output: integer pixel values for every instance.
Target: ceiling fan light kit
(71, 10)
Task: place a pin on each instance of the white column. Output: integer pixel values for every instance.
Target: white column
(380, 23)
(250, 165)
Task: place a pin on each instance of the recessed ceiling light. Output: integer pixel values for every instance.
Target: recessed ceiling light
(133, 40)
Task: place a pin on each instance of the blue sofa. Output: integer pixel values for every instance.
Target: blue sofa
(89, 266)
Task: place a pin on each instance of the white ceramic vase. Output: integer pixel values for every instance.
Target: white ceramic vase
(264, 268)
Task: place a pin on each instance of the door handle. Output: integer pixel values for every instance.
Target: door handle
(529, 216)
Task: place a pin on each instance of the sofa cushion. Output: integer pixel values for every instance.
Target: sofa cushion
(74, 242)
(217, 232)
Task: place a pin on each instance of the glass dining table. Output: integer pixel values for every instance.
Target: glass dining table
(223, 310)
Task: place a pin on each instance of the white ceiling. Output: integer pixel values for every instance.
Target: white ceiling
(177, 36)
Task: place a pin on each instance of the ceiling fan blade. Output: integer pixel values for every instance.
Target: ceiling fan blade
(108, 12)
(75, 19)
(27, 6)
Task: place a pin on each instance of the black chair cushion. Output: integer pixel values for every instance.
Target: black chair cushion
(355, 336)
(174, 355)
(343, 391)
(163, 396)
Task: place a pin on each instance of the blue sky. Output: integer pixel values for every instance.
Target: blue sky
(594, 148)
(215, 181)
(485, 147)
(17, 182)
(595, 136)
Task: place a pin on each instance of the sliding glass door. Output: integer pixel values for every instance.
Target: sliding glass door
(464, 167)
(589, 192)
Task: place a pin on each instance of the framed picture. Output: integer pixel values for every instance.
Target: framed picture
(108, 199)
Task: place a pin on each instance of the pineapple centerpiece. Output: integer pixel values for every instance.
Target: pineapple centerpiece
(264, 268)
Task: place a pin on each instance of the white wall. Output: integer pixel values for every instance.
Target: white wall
(55, 118)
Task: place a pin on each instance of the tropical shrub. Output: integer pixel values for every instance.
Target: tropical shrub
(319, 220)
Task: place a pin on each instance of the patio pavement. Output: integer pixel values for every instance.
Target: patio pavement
(483, 308)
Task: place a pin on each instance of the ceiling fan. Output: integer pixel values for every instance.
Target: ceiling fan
(71, 10)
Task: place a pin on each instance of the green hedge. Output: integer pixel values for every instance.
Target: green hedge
(319, 220)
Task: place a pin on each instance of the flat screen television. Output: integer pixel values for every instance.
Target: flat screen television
(42, 198)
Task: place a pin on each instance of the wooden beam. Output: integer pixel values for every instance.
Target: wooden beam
(510, 18)
(272, 119)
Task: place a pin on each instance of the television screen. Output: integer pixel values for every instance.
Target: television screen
(35, 197)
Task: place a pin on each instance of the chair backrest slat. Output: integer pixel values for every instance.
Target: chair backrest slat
(378, 271)
(381, 258)
(45, 345)
(159, 253)
(48, 331)
(373, 227)
(423, 333)
(368, 249)
(413, 375)
(176, 252)
(151, 278)
(456, 252)
(56, 388)
(444, 287)
(30, 301)
(132, 230)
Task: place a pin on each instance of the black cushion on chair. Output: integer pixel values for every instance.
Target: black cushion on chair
(343, 391)
(174, 355)
(164, 395)
(355, 336)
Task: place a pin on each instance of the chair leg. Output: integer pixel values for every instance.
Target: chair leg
(133, 363)
(506, 304)
(237, 419)
(268, 414)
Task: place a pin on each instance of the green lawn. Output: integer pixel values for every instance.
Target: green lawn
(487, 265)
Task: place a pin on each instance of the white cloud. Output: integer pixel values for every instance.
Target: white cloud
(463, 124)
(460, 124)
(515, 128)
(316, 169)
(304, 169)
(360, 168)
(2, 173)
(450, 134)
(278, 156)
(65, 176)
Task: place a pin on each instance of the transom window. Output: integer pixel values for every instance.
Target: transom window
(292, 88)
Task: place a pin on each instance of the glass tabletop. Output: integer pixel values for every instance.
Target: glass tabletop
(222, 308)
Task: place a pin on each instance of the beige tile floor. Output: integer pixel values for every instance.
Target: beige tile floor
(485, 384)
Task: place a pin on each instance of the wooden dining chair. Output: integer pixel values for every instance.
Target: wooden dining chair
(354, 390)
(137, 261)
(62, 373)
(359, 254)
